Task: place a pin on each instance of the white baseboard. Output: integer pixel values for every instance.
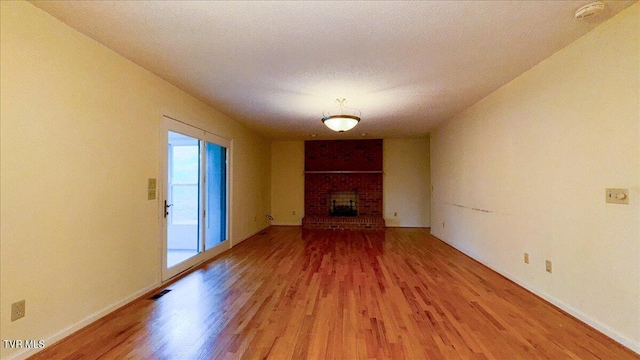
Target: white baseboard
(84, 322)
(252, 235)
(594, 323)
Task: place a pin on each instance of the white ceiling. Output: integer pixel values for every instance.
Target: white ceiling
(275, 66)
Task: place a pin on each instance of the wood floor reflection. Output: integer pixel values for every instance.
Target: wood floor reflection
(292, 294)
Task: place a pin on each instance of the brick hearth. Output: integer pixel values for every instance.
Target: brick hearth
(343, 223)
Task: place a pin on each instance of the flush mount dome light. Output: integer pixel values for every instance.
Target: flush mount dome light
(341, 119)
(590, 9)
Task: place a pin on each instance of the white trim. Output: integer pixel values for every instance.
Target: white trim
(252, 235)
(160, 194)
(200, 259)
(182, 128)
(215, 139)
(216, 250)
(594, 323)
(84, 322)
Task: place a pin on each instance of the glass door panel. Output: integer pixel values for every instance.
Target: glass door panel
(183, 194)
(216, 195)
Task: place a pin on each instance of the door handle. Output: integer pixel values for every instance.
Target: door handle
(166, 208)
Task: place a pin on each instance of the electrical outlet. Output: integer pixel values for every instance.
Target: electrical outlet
(255, 219)
(395, 214)
(18, 310)
(526, 258)
(443, 224)
(293, 212)
(548, 266)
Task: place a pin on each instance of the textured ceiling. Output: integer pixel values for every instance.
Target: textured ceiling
(275, 66)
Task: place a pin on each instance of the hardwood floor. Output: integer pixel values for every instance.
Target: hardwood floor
(294, 294)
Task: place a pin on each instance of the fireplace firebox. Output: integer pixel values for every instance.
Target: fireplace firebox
(343, 203)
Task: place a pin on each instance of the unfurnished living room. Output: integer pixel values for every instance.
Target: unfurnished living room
(319, 179)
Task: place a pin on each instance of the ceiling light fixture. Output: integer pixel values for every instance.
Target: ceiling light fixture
(341, 121)
(590, 9)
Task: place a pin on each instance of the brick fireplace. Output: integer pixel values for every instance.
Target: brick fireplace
(343, 184)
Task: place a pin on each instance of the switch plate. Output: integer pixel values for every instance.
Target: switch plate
(548, 266)
(18, 310)
(151, 188)
(617, 196)
(526, 258)
(395, 214)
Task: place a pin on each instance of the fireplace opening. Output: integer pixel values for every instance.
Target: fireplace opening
(343, 203)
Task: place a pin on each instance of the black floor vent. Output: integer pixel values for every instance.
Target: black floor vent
(159, 295)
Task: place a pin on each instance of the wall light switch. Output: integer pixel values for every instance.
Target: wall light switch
(617, 196)
(151, 194)
(151, 184)
(526, 258)
(548, 266)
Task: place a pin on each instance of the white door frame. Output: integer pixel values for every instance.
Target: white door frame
(170, 124)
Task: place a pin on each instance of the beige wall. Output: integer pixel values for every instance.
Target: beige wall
(80, 136)
(405, 188)
(287, 182)
(525, 170)
(406, 183)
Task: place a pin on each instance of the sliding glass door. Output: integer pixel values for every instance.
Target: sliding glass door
(195, 203)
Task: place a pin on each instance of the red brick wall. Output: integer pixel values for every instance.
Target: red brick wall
(343, 155)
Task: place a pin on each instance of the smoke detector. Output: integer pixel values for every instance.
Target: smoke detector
(589, 10)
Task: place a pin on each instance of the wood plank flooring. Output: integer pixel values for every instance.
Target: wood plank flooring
(294, 294)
